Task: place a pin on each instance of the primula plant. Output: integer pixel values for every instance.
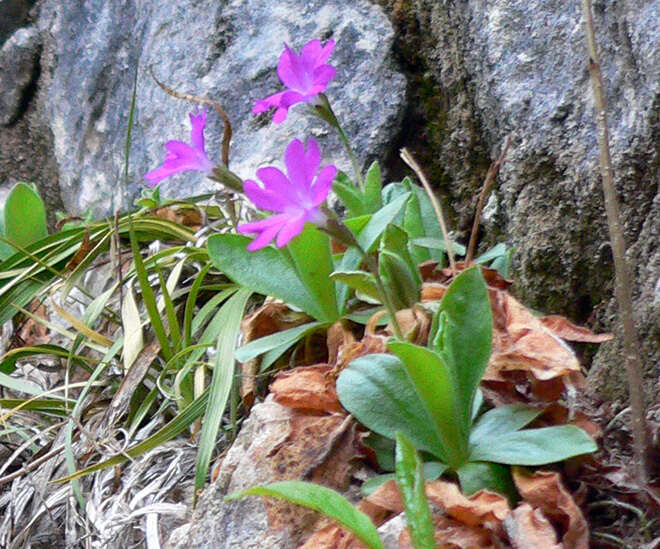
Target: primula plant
(426, 397)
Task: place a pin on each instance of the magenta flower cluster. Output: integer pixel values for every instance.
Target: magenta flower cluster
(305, 75)
(295, 196)
(182, 157)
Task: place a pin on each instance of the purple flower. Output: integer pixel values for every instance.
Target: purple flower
(295, 197)
(306, 75)
(182, 157)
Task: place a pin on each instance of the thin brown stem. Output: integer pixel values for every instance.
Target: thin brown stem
(622, 281)
(488, 183)
(414, 166)
(226, 136)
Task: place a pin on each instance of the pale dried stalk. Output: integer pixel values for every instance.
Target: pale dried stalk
(410, 160)
(622, 280)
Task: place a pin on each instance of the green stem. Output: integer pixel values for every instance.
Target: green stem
(343, 234)
(325, 112)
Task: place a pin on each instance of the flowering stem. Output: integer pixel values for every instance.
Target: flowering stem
(325, 112)
(342, 233)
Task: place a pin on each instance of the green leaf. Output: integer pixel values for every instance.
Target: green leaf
(414, 227)
(323, 500)
(433, 470)
(24, 216)
(400, 279)
(267, 271)
(360, 281)
(464, 338)
(438, 244)
(534, 446)
(502, 264)
(349, 194)
(503, 419)
(368, 236)
(223, 376)
(373, 185)
(377, 390)
(379, 221)
(435, 387)
(284, 338)
(312, 257)
(496, 251)
(475, 476)
(410, 480)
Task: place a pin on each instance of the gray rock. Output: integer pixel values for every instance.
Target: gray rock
(18, 60)
(14, 14)
(243, 523)
(227, 51)
(484, 69)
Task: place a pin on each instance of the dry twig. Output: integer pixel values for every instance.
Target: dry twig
(488, 183)
(622, 280)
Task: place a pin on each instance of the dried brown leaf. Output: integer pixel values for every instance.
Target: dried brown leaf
(483, 508)
(544, 490)
(307, 388)
(565, 329)
(527, 527)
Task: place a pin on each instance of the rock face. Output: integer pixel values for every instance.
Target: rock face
(484, 69)
(224, 50)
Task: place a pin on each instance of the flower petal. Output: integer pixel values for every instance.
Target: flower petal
(266, 198)
(265, 228)
(197, 123)
(321, 187)
(321, 77)
(296, 166)
(263, 105)
(292, 228)
(291, 70)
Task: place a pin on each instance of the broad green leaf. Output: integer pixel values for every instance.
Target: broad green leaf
(312, 257)
(434, 385)
(377, 390)
(379, 221)
(400, 279)
(503, 419)
(267, 271)
(24, 215)
(367, 237)
(478, 475)
(534, 446)
(438, 244)
(464, 338)
(414, 227)
(502, 264)
(273, 341)
(349, 194)
(410, 480)
(221, 382)
(496, 251)
(323, 500)
(373, 185)
(361, 281)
